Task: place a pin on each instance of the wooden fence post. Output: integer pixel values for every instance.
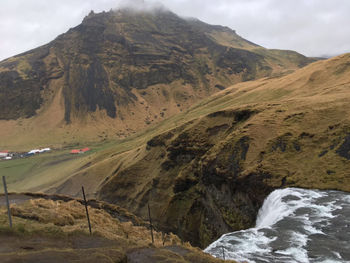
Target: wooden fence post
(86, 209)
(150, 221)
(7, 201)
(163, 238)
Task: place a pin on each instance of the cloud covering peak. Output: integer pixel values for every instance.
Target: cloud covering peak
(313, 27)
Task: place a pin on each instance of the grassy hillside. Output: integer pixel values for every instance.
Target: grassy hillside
(228, 152)
(54, 229)
(217, 161)
(119, 72)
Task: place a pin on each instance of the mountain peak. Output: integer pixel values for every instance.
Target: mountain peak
(131, 67)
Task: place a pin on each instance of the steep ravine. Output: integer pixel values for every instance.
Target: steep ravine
(194, 178)
(211, 175)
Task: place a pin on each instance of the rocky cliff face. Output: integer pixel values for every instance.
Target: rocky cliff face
(139, 67)
(210, 175)
(192, 177)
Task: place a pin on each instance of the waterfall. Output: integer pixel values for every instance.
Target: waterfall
(293, 225)
(273, 209)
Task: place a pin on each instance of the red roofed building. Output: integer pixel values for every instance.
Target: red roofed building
(85, 150)
(75, 151)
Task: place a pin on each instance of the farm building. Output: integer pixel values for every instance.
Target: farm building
(85, 150)
(35, 151)
(76, 151)
(44, 150)
(4, 154)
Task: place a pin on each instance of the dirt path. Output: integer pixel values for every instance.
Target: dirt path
(82, 248)
(52, 249)
(151, 255)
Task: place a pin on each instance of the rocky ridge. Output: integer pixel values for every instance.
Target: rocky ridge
(124, 70)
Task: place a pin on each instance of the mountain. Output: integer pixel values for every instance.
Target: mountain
(232, 121)
(120, 71)
(206, 171)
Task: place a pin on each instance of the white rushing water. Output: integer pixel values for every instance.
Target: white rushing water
(293, 225)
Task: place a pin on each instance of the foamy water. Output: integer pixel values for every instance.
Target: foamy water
(293, 225)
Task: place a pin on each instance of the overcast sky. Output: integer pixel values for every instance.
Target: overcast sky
(311, 27)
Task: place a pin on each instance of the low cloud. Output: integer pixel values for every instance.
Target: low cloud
(312, 27)
(139, 5)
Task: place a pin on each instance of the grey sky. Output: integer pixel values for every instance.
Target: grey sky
(311, 27)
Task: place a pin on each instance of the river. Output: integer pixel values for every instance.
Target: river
(293, 225)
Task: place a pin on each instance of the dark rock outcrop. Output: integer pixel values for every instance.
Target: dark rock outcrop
(192, 177)
(110, 54)
(344, 149)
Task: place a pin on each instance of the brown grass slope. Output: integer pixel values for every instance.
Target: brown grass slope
(120, 71)
(206, 171)
(54, 229)
(210, 173)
